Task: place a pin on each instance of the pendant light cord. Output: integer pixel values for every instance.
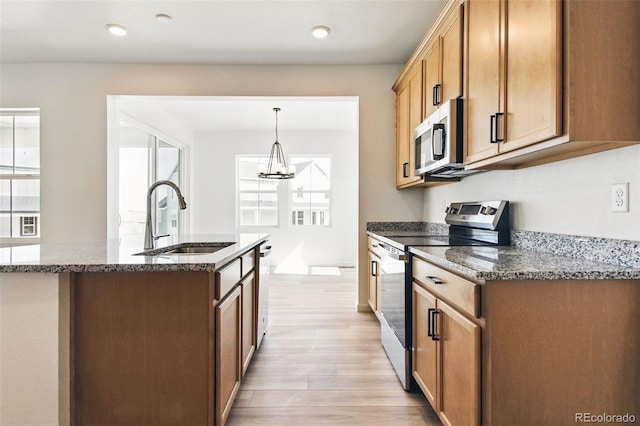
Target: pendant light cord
(276, 110)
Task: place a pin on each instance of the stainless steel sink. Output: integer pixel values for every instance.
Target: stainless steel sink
(194, 250)
(187, 249)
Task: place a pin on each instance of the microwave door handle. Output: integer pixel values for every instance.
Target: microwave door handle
(437, 142)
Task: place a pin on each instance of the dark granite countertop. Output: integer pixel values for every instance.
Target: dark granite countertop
(510, 263)
(482, 263)
(119, 255)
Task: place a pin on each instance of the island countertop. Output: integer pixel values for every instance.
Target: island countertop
(122, 255)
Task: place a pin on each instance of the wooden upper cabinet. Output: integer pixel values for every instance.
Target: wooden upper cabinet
(483, 77)
(432, 77)
(443, 63)
(543, 84)
(514, 76)
(409, 116)
(533, 80)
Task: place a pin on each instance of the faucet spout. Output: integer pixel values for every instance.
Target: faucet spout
(149, 238)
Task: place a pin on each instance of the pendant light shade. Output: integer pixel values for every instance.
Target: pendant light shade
(277, 167)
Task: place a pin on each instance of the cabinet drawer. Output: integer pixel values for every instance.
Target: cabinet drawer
(460, 292)
(372, 244)
(248, 262)
(227, 278)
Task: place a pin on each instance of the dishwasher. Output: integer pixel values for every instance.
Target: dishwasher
(263, 292)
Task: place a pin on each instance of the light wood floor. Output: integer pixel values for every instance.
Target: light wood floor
(321, 362)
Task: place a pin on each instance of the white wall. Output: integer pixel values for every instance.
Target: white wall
(214, 188)
(29, 351)
(73, 102)
(566, 197)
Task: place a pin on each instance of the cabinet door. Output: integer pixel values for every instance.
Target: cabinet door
(460, 368)
(483, 77)
(533, 75)
(374, 267)
(451, 62)
(424, 349)
(432, 78)
(249, 323)
(409, 110)
(228, 369)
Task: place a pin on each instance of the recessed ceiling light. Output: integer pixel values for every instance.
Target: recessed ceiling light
(320, 31)
(163, 18)
(117, 30)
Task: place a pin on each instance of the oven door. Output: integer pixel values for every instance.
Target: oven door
(395, 309)
(392, 295)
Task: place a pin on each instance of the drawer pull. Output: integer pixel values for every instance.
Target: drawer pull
(434, 280)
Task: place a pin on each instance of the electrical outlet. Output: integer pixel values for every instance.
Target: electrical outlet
(620, 197)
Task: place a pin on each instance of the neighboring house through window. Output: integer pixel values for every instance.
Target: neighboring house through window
(311, 190)
(19, 174)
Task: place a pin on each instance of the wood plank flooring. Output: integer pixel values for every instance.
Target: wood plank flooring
(321, 362)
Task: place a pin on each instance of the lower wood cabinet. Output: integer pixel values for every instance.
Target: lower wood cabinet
(446, 359)
(534, 352)
(374, 288)
(249, 320)
(228, 372)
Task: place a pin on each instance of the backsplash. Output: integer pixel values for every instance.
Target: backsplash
(618, 252)
(422, 227)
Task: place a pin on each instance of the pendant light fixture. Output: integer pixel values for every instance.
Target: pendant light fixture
(277, 167)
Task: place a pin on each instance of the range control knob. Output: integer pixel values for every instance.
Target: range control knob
(483, 210)
(491, 210)
(448, 209)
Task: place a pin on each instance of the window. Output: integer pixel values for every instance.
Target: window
(311, 191)
(19, 173)
(28, 226)
(257, 199)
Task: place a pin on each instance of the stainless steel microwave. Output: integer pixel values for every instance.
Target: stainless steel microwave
(439, 143)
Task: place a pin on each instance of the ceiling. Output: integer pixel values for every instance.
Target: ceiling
(221, 32)
(214, 31)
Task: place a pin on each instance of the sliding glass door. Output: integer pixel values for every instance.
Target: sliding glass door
(144, 159)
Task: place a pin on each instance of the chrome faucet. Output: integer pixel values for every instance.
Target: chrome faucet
(149, 238)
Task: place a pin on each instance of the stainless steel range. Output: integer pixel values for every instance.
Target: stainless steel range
(482, 223)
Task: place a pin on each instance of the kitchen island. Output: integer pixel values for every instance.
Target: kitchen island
(95, 333)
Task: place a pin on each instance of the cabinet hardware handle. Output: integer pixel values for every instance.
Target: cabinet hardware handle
(374, 269)
(436, 94)
(434, 280)
(492, 127)
(435, 335)
(404, 170)
(430, 312)
(498, 115)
